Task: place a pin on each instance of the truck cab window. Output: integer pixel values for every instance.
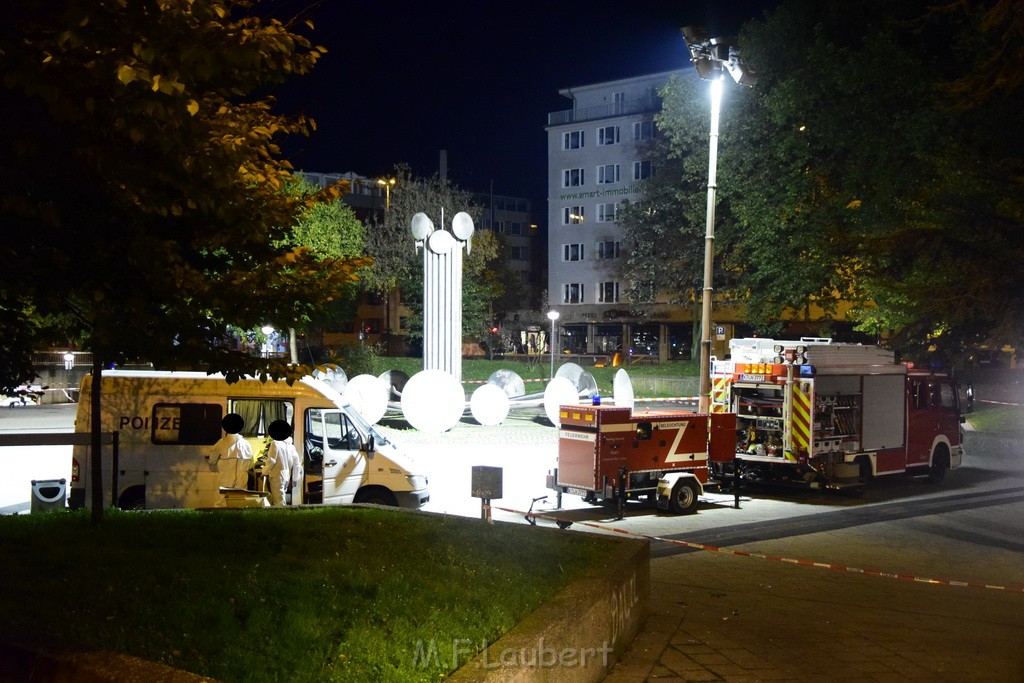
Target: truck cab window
(918, 395)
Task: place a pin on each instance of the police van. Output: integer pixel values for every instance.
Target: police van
(168, 422)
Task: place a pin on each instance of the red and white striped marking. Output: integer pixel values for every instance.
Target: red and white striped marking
(778, 558)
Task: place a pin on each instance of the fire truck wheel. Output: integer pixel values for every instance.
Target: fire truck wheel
(684, 497)
(940, 463)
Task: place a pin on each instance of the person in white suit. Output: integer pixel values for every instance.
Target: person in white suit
(283, 467)
(232, 455)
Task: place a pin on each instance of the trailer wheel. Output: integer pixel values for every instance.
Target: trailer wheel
(940, 463)
(684, 497)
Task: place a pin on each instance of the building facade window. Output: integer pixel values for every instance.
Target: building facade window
(572, 252)
(518, 254)
(572, 215)
(619, 98)
(572, 293)
(572, 177)
(572, 140)
(608, 135)
(642, 170)
(607, 213)
(609, 173)
(607, 292)
(515, 228)
(607, 250)
(643, 130)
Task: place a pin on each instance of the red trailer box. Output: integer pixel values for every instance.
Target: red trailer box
(610, 452)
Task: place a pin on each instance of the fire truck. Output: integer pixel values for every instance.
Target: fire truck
(829, 415)
(611, 453)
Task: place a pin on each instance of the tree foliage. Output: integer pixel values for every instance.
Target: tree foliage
(142, 192)
(850, 174)
(331, 230)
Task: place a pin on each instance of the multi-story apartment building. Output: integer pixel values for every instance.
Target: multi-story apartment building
(595, 161)
(512, 219)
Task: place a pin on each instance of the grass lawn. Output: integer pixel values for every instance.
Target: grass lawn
(992, 417)
(480, 369)
(323, 594)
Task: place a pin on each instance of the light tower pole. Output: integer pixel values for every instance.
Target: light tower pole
(712, 57)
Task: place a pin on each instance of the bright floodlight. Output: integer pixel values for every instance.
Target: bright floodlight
(368, 395)
(622, 390)
(433, 401)
(559, 392)
(489, 405)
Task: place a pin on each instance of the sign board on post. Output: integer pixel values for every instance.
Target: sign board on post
(486, 484)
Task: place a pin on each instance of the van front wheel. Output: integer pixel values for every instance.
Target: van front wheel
(376, 495)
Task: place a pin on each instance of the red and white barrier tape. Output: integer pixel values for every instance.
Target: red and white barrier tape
(485, 381)
(777, 558)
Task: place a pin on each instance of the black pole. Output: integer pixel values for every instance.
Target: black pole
(115, 464)
(736, 481)
(622, 493)
(95, 425)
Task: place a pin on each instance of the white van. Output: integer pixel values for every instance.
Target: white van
(168, 421)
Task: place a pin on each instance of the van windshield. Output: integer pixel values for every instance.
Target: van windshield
(365, 427)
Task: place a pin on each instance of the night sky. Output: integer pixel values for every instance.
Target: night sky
(400, 82)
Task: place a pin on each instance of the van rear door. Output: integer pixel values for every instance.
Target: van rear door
(332, 450)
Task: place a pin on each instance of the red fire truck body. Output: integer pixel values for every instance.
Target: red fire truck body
(612, 452)
(828, 415)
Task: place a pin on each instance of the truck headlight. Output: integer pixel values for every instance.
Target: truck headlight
(417, 481)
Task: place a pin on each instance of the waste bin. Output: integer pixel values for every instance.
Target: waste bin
(48, 494)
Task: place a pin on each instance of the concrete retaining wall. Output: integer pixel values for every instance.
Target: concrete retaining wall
(579, 634)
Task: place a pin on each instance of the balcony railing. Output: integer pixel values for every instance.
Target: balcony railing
(646, 105)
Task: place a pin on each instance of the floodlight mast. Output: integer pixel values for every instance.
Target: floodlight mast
(712, 57)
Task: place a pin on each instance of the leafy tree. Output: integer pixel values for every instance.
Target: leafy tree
(331, 231)
(141, 190)
(902, 201)
(849, 175)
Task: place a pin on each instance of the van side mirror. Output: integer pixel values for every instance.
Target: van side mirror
(371, 447)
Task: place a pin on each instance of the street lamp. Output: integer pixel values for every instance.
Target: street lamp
(387, 185)
(552, 316)
(712, 57)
